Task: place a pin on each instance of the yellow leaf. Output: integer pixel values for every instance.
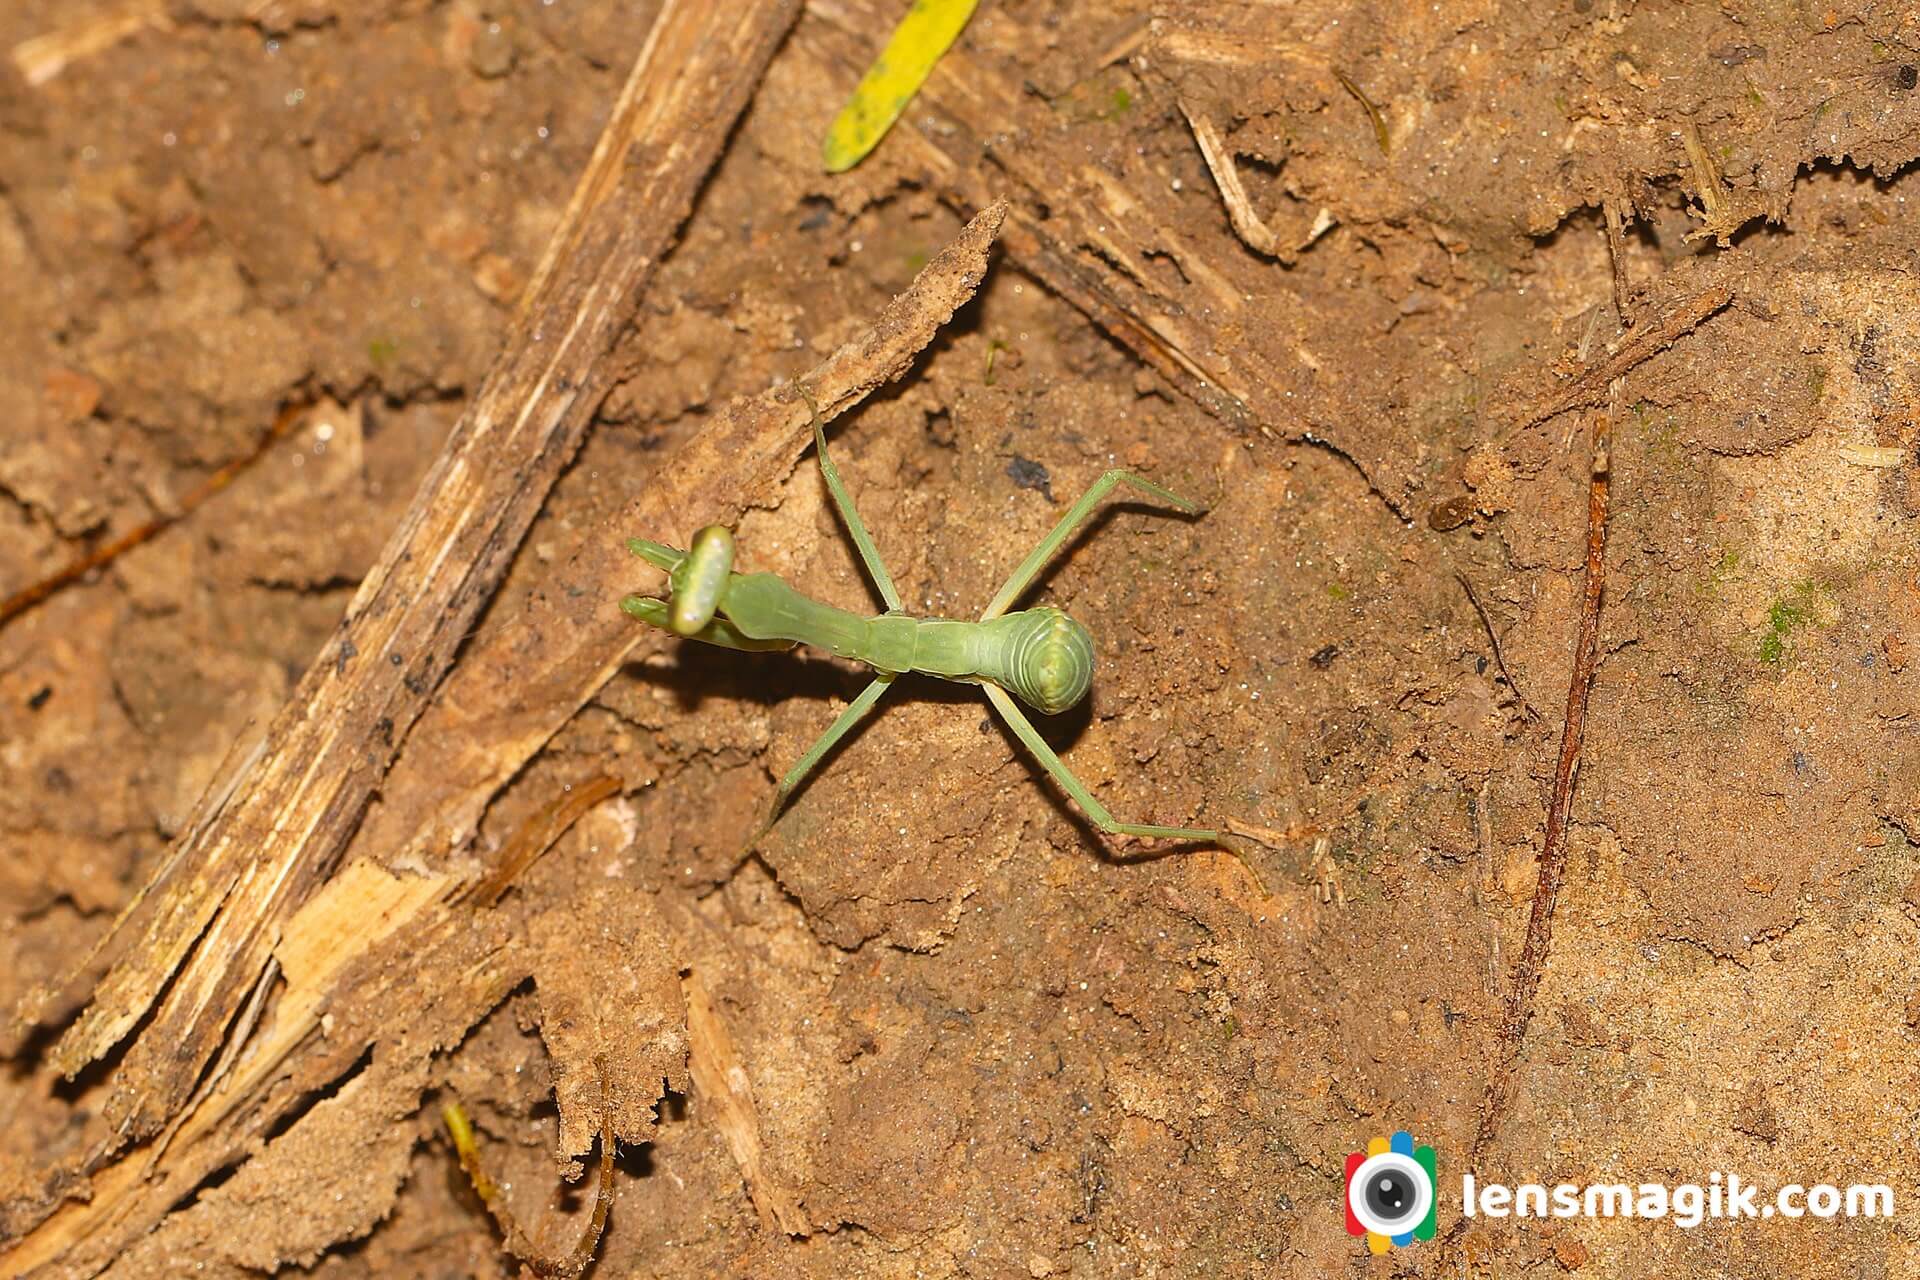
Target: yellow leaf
(928, 30)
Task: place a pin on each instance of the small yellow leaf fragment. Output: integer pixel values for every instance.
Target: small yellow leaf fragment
(1867, 455)
(927, 32)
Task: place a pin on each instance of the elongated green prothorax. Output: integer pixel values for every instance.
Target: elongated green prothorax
(1040, 656)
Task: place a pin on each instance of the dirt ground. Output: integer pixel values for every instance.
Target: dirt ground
(978, 1039)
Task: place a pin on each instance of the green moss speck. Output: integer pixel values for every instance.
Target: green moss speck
(1794, 611)
(1105, 96)
(1723, 572)
(1817, 383)
(1662, 436)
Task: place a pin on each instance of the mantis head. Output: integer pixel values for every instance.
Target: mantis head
(1050, 659)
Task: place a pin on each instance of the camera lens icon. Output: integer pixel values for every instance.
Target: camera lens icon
(1390, 1192)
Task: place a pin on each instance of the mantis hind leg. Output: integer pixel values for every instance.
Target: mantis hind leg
(856, 711)
(869, 554)
(1023, 729)
(1043, 550)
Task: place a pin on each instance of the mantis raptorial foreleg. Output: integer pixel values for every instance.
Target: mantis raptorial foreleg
(658, 554)
(1023, 729)
(695, 580)
(869, 553)
(719, 631)
(1043, 550)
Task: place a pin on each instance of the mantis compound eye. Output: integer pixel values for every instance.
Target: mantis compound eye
(1052, 662)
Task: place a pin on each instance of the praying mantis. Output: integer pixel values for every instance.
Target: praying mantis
(1040, 655)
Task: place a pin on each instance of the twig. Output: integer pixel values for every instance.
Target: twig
(720, 1081)
(582, 1256)
(519, 1242)
(1645, 341)
(1617, 256)
(1719, 219)
(1373, 112)
(1499, 659)
(40, 58)
(1247, 224)
(537, 834)
(1553, 850)
(1553, 855)
(194, 941)
(106, 553)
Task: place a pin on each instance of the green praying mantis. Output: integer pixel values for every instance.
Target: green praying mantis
(1040, 655)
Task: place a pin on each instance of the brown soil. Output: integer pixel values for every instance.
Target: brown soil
(977, 1038)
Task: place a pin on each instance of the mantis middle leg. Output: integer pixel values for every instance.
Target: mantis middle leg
(856, 712)
(1023, 729)
(869, 553)
(1043, 550)
(860, 707)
